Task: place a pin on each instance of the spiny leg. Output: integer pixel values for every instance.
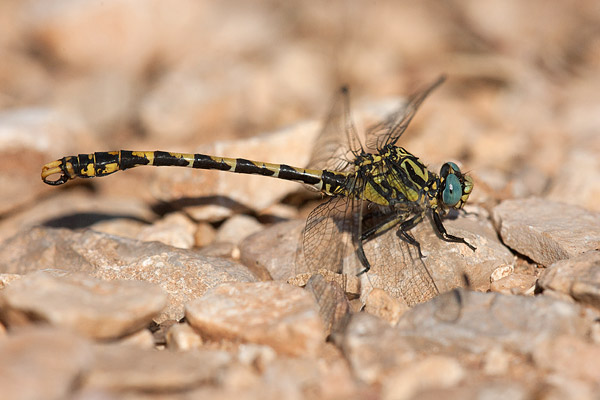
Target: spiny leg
(445, 235)
(406, 226)
(382, 227)
(360, 251)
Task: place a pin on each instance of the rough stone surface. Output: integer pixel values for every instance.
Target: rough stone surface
(473, 321)
(182, 337)
(126, 369)
(577, 277)
(515, 284)
(54, 361)
(435, 372)
(142, 339)
(275, 250)
(183, 274)
(175, 230)
(373, 348)
(6, 279)
(94, 308)
(277, 314)
(386, 307)
(569, 356)
(237, 228)
(547, 231)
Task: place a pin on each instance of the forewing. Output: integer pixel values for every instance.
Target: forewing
(389, 131)
(328, 235)
(338, 138)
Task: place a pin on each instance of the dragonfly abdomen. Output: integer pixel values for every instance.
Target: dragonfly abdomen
(107, 162)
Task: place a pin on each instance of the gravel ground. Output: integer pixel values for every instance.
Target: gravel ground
(176, 283)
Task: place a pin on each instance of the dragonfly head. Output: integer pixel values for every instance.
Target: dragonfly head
(455, 187)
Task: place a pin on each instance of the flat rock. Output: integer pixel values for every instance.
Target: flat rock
(54, 361)
(182, 337)
(175, 230)
(237, 228)
(569, 356)
(128, 369)
(431, 373)
(94, 308)
(382, 304)
(182, 274)
(282, 316)
(373, 348)
(474, 322)
(273, 252)
(515, 284)
(577, 278)
(546, 231)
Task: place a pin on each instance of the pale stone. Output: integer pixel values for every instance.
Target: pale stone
(474, 322)
(42, 363)
(205, 234)
(175, 230)
(570, 356)
(373, 348)
(546, 231)
(182, 274)
(515, 284)
(386, 307)
(435, 372)
(182, 337)
(272, 313)
(123, 369)
(577, 278)
(237, 228)
(94, 308)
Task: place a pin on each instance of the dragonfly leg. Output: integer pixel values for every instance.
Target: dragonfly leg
(406, 226)
(360, 253)
(384, 226)
(445, 235)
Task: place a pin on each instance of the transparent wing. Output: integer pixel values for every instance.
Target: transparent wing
(389, 131)
(327, 241)
(397, 267)
(338, 139)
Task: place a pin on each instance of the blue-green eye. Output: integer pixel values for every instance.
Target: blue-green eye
(452, 190)
(454, 166)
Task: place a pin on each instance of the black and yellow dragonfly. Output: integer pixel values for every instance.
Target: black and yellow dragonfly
(371, 190)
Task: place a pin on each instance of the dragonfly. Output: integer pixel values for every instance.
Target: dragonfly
(371, 189)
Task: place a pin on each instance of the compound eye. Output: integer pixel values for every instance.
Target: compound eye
(449, 168)
(453, 166)
(452, 191)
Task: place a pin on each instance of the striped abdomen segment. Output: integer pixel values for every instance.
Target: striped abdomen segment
(105, 163)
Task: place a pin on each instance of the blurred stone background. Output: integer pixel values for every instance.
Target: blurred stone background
(520, 108)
